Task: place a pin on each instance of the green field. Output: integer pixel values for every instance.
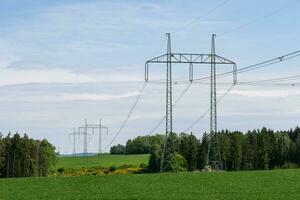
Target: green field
(106, 160)
(256, 185)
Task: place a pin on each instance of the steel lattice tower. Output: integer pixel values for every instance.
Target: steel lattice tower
(92, 127)
(74, 134)
(100, 138)
(169, 88)
(85, 134)
(169, 104)
(190, 58)
(213, 92)
(213, 155)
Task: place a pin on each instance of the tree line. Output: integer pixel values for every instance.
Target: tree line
(138, 145)
(25, 157)
(260, 149)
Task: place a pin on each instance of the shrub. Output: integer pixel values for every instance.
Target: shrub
(61, 170)
(143, 165)
(181, 164)
(112, 168)
(117, 149)
(106, 171)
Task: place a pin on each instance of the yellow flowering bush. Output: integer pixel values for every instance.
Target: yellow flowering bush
(98, 171)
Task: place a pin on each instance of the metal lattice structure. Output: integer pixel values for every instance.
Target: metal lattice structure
(83, 130)
(192, 59)
(74, 134)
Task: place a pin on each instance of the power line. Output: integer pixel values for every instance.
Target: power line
(261, 82)
(271, 84)
(209, 12)
(128, 116)
(280, 79)
(250, 83)
(273, 12)
(256, 66)
(267, 81)
(255, 82)
(207, 111)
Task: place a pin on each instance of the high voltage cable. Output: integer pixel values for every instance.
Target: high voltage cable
(271, 84)
(252, 84)
(258, 82)
(176, 102)
(266, 81)
(128, 116)
(273, 12)
(286, 78)
(256, 66)
(207, 111)
(209, 12)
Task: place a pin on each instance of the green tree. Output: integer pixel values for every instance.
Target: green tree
(264, 144)
(47, 157)
(142, 144)
(118, 149)
(282, 148)
(154, 160)
(224, 143)
(236, 140)
(2, 156)
(297, 143)
(202, 151)
(168, 150)
(188, 147)
(249, 147)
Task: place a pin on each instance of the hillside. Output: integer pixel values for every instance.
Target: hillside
(106, 160)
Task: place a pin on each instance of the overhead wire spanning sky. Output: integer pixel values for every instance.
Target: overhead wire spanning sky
(62, 61)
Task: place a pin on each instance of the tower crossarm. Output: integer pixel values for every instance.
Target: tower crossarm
(93, 126)
(192, 58)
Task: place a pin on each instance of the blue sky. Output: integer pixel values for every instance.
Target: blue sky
(65, 60)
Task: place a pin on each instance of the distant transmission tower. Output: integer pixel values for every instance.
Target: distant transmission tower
(191, 59)
(83, 130)
(74, 134)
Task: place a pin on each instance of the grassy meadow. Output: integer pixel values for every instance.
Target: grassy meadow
(105, 160)
(250, 185)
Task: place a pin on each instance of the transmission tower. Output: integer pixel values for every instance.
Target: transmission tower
(187, 58)
(85, 128)
(85, 134)
(213, 92)
(74, 134)
(213, 155)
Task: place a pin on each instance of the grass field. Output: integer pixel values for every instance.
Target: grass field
(256, 185)
(106, 160)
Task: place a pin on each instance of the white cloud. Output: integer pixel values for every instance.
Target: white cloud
(14, 76)
(39, 73)
(265, 93)
(95, 97)
(67, 97)
(10, 76)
